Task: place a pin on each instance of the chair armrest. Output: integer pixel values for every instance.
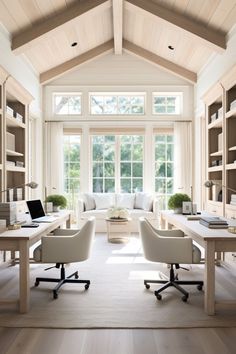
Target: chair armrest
(64, 232)
(170, 233)
(167, 233)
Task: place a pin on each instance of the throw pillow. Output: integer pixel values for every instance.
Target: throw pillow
(143, 201)
(89, 201)
(104, 200)
(125, 200)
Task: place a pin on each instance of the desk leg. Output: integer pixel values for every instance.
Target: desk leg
(24, 276)
(209, 278)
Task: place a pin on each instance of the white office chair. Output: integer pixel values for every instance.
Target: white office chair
(65, 246)
(171, 247)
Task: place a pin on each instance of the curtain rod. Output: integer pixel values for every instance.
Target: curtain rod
(116, 120)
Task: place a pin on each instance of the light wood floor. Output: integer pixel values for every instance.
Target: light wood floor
(118, 341)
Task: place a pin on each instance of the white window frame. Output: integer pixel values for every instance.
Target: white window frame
(69, 94)
(178, 95)
(117, 159)
(165, 195)
(117, 94)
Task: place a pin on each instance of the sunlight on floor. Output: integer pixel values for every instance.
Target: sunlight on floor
(146, 274)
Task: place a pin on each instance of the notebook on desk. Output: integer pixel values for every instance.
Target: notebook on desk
(37, 212)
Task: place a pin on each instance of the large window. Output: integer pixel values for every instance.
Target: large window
(117, 103)
(164, 168)
(117, 163)
(71, 169)
(169, 103)
(67, 103)
(103, 163)
(131, 163)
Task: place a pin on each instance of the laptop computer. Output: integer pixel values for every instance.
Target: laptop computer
(37, 212)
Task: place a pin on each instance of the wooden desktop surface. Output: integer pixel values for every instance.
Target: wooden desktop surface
(21, 240)
(213, 240)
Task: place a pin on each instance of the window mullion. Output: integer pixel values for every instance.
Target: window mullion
(117, 165)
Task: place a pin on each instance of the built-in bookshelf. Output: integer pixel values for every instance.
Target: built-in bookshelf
(220, 103)
(14, 104)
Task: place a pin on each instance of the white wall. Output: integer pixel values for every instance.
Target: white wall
(122, 70)
(19, 68)
(212, 72)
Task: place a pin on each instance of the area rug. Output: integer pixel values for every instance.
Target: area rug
(117, 297)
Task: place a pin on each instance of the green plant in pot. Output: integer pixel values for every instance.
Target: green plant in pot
(176, 202)
(58, 201)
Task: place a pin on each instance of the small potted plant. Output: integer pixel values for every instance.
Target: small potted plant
(58, 201)
(176, 202)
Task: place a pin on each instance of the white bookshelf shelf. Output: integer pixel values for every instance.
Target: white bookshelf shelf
(13, 153)
(217, 153)
(13, 122)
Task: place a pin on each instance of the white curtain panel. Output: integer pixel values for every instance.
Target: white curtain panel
(54, 157)
(183, 157)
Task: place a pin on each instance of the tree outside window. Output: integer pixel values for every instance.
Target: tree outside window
(164, 168)
(71, 146)
(117, 163)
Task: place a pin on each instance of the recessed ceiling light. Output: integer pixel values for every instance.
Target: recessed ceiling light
(170, 47)
(74, 44)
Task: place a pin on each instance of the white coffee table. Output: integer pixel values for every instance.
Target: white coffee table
(118, 230)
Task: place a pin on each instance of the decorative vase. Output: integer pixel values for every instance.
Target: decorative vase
(178, 210)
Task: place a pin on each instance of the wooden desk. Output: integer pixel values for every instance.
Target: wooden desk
(213, 240)
(21, 240)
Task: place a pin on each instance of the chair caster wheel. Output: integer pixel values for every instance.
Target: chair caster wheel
(159, 297)
(185, 298)
(147, 286)
(76, 275)
(86, 286)
(55, 295)
(36, 283)
(199, 287)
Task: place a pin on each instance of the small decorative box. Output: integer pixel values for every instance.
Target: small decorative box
(10, 111)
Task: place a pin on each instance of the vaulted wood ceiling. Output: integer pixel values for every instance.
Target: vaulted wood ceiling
(43, 31)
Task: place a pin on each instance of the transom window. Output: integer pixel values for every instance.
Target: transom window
(166, 103)
(164, 168)
(67, 103)
(117, 103)
(117, 163)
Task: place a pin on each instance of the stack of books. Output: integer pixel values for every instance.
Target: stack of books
(233, 199)
(214, 222)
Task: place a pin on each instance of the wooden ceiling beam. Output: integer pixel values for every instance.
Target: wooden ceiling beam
(117, 11)
(24, 40)
(75, 62)
(161, 62)
(208, 36)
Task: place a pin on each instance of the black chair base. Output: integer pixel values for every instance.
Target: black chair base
(62, 280)
(173, 281)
